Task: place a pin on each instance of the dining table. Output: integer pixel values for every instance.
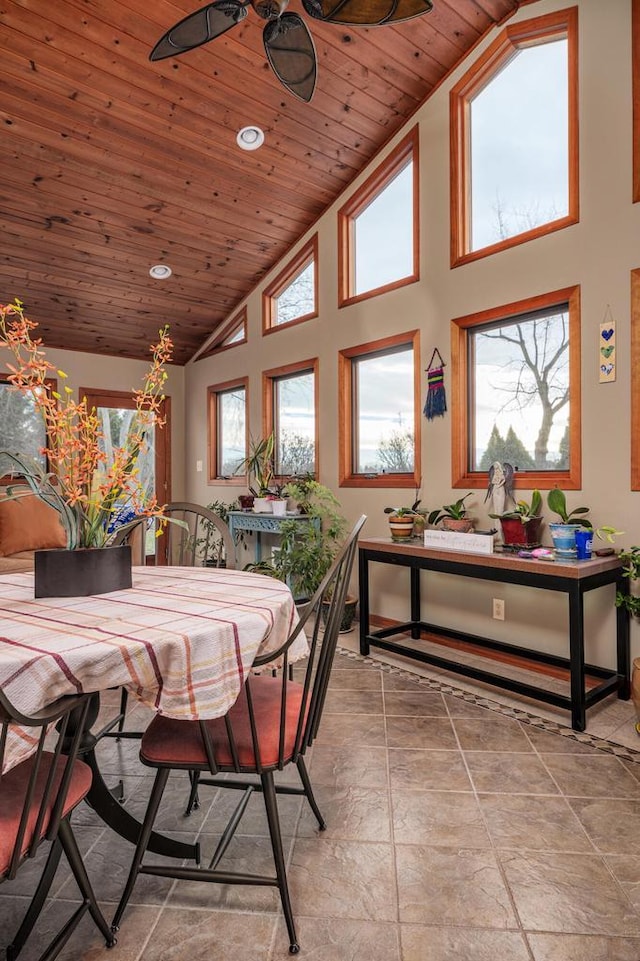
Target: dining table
(182, 640)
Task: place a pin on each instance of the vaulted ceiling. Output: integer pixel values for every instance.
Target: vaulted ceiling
(110, 164)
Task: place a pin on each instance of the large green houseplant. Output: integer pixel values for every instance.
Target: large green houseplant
(306, 551)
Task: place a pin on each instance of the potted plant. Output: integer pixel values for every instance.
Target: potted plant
(258, 466)
(521, 526)
(307, 551)
(563, 532)
(453, 517)
(211, 541)
(402, 521)
(86, 488)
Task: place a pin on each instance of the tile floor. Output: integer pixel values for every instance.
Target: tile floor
(461, 828)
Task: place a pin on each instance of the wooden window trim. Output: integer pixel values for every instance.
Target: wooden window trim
(306, 255)
(635, 54)
(51, 384)
(217, 345)
(406, 150)
(511, 39)
(461, 476)
(268, 379)
(635, 379)
(346, 476)
(238, 480)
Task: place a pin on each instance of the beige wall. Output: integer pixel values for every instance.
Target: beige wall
(598, 254)
(114, 373)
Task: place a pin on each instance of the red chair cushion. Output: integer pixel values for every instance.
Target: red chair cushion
(172, 743)
(13, 790)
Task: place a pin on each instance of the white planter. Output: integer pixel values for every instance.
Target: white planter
(262, 506)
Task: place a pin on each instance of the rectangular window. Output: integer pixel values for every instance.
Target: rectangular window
(290, 412)
(379, 413)
(227, 431)
(378, 235)
(515, 138)
(517, 386)
(293, 296)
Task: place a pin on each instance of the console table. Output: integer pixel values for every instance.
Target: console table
(573, 578)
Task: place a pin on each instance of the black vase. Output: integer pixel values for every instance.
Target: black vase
(83, 572)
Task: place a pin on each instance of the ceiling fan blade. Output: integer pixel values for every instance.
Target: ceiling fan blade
(200, 27)
(366, 13)
(292, 54)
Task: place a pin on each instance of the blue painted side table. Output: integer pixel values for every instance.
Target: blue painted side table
(264, 524)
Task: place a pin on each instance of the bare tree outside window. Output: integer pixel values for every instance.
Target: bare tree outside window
(298, 298)
(384, 421)
(231, 430)
(519, 157)
(294, 417)
(395, 452)
(116, 424)
(521, 389)
(297, 454)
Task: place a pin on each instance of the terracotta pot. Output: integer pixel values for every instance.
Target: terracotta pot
(460, 524)
(516, 534)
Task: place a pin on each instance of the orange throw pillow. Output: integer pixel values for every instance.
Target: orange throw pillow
(28, 524)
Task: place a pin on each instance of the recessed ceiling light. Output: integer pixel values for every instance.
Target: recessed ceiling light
(160, 272)
(250, 138)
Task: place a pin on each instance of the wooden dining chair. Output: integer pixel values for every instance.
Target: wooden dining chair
(200, 539)
(37, 796)
(271, 725)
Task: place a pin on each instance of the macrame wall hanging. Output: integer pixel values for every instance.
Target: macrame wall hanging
(436, 402)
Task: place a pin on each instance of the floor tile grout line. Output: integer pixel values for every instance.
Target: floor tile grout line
(445, 687)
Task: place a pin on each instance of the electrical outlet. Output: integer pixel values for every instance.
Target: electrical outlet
(498, 609)
(199, 466)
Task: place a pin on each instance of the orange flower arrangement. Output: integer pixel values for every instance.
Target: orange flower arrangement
(82, 486)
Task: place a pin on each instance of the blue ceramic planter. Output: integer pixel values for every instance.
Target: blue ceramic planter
(564, 539)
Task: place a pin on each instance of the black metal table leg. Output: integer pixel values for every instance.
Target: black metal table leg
(106, 803)
(109, 810)
(363, 576)
(623, 665)
(415, 602)
(576, 658)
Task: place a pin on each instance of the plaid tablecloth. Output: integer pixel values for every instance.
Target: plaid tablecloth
(181, 639)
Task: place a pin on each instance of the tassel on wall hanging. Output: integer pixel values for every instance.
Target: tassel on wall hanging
(436, 402)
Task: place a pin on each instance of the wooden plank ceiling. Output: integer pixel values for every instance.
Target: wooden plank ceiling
(110, 163)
